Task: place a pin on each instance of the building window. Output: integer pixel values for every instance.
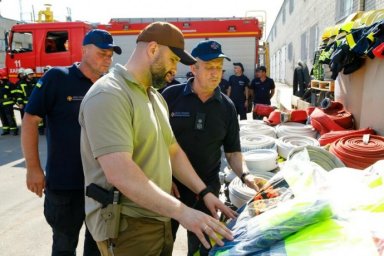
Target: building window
(313, 41)
(283, 13)
(291, 5)
(290, 52)
(343, 9)
(304, 47)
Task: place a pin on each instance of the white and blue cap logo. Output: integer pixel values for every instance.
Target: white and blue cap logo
(208, 50)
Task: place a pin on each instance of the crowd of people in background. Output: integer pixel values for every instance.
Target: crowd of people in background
(15, 96)
(244, 93)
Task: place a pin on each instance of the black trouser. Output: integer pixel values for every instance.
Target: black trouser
(8, 118)
(299, 89)
(240, 109)
(190, 199)
(64, 212)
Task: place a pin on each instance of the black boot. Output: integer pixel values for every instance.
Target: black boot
(15, 132)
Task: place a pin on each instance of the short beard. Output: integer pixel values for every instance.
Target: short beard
(158, 73)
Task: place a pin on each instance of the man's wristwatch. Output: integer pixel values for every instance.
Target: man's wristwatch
(204, 192)
(242, 177)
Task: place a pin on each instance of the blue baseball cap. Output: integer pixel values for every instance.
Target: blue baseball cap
(102, 39)
(208, 50)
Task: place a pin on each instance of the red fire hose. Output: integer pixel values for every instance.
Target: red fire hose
(355, 153)
(330, 137)
(323, 123)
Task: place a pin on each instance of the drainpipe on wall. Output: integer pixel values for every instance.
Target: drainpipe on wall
(361, 6)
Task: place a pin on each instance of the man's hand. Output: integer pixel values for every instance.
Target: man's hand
(213, 204)
(21, 106)
(175, 191)
(201, 223)
(246, 104)
(36, 181)
(250, 181)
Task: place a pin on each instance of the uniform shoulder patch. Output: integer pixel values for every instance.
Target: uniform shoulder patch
(39, 83)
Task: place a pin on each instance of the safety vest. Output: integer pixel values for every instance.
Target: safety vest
(5, 95)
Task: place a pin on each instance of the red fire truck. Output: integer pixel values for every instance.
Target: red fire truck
(36, 45)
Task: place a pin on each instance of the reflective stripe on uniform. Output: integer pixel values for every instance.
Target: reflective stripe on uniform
(350, 40)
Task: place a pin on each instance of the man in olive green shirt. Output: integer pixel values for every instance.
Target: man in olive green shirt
(127, 143)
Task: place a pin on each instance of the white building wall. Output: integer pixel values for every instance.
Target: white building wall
(360, 92)
(298, 22)
(308, 19)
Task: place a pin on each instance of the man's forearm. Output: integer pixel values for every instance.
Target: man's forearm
(30, 141)
(235, 160)
(183, 170)
(129, 179)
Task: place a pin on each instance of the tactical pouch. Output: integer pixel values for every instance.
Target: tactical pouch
(111, 217)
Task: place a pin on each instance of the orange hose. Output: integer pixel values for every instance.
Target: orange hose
(355, 154)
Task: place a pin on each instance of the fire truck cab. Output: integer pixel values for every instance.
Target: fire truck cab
(37, 45)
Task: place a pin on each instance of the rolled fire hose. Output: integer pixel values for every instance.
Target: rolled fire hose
(249, 122)
(256, 141)
(287, 143)
(319, 156)
(356, 153)
(330, 137)
(257, 128)
(261, 160)
(335, 110)
(239, 193)
(292, 128)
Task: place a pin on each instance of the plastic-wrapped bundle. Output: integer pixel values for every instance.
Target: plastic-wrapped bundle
(287, 143)
(257, 129)
(256, 141)
(330, 237)
(319, 156)
(262, 160)
(292, 128)
(267, 229)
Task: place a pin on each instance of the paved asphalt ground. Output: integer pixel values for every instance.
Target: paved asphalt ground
(23, 230)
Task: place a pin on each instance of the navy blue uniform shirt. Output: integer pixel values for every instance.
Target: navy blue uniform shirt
(261, 90)
(224, 84)
(201, 128)
(58, 95)
(238, 84)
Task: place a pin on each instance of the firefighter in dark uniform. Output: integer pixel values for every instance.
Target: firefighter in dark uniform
(6, 106)
(24, 88)
(203, 120)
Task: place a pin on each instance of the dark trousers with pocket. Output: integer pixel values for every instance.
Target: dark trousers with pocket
(64, 212)
(189, 198)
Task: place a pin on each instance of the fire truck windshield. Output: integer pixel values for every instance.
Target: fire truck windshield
(21, 42)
